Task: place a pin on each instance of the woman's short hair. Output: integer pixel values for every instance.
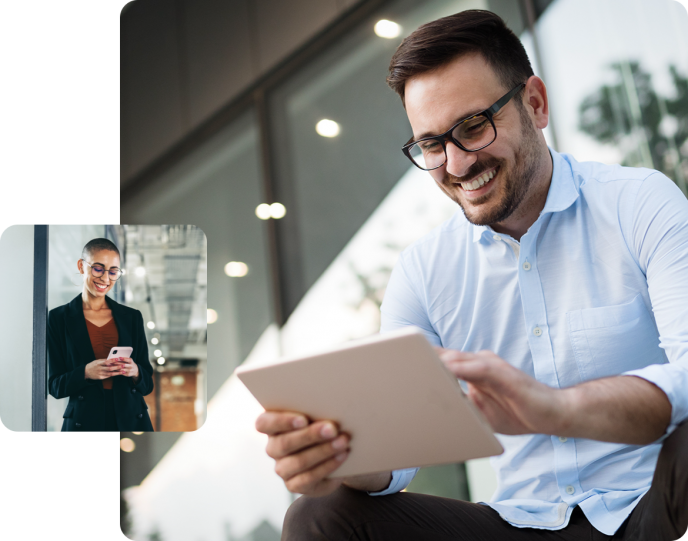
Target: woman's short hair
(472, 31)
(96, 245)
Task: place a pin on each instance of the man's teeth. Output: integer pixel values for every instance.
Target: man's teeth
(477, 183)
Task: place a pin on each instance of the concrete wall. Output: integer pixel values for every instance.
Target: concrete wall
(182, 60)
(16, 326)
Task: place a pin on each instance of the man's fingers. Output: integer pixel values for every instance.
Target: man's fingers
(277, 422)
(293, 464)
(470, 370)
(313, 482)
(289, 443)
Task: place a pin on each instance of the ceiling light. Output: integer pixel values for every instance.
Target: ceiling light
(128, 295)
(177, 380)
(127, 445)
(140, 271)
(387, 29)
(150, 325)
(236, 269)
(137, 433)
(157, 353)
(277, 210)
(212, 316)
(327, 128)
(161, 360)
(263, 211)
(155, 341)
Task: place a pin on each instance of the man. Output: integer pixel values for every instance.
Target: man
(550, 295)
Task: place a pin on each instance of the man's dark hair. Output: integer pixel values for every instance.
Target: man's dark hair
(473, 31)
(96, 245)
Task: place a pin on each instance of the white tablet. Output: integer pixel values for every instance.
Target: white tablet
(390, 393)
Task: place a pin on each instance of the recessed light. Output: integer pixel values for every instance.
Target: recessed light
(236, 269)
(387, 29)
(150, 325)
(277, 210)
(263, 211)
(127, 445)
(327, 128)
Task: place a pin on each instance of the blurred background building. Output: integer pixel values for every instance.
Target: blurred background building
(164, 278)
(268, 124)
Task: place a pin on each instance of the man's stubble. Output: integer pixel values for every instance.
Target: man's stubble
(517, 183)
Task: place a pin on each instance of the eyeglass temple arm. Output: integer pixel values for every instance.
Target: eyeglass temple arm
(501, 103)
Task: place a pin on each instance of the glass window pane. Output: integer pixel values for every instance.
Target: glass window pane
(631, 107)
(218, 188)
(338, 133)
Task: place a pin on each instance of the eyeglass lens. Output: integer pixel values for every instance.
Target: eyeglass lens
(97, 272)
(473, 134)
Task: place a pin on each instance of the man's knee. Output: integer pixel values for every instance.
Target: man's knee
(675, 448)
(325, 517)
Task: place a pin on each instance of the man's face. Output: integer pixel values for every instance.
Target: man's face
(436, 100)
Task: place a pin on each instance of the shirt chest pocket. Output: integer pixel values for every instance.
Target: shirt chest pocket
(609, 340)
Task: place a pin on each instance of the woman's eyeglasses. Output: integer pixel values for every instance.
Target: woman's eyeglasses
(98, 270)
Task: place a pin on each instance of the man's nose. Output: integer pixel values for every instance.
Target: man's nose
(458, 161)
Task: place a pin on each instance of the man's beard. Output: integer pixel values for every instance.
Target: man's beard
(516, 185)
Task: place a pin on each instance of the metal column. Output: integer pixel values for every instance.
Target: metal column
(39, 385)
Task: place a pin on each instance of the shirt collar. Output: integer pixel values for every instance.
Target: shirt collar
(561, 195)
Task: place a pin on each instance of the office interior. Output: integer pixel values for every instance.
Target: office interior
(164, 278)
(269, 125)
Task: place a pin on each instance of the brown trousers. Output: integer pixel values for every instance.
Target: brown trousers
(348, 515)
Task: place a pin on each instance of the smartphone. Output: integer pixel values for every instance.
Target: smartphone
(120, 352)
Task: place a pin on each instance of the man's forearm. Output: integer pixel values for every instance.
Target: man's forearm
(374, 482)
(621, 409)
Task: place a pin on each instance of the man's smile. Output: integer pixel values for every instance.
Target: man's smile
(479, 186)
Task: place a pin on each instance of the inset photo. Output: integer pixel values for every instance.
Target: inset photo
(104, 328)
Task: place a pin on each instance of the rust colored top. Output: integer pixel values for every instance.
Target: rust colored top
(103, 339)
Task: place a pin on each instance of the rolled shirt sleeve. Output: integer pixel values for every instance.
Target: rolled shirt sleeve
(659, 242)
(400, 480)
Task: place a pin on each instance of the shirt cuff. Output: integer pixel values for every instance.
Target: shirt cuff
(672, 378)
(400, 480)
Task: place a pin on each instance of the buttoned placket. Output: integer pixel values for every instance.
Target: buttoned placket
(535, 316)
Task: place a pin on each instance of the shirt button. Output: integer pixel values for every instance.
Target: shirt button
(133, 390)
(81, 397)
(526, 266)
(497, 237)
(537, 331)
(140, 415)
(570, 490)
(563, 439)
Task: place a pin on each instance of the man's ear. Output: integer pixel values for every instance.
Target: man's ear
(535, 100)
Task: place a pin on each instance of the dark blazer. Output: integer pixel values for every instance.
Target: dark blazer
(70, 350)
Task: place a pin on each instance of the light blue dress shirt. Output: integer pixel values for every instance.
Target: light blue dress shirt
(597, 287)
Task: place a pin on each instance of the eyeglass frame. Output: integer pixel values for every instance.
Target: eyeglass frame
(120, 272)
(447, 136)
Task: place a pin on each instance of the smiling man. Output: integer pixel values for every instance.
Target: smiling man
(560, 294)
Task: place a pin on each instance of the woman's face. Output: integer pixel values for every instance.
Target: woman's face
(98, 286)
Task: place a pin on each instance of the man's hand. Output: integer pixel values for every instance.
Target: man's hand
(305, 454)
(512, 401)
(620, 409)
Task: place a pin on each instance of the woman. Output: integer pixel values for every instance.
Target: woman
(103, 394)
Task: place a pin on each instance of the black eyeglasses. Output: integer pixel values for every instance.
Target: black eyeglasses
(98, 270)
(470, 134)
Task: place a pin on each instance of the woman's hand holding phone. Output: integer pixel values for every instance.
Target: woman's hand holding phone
(128, 367)
(102, 369)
